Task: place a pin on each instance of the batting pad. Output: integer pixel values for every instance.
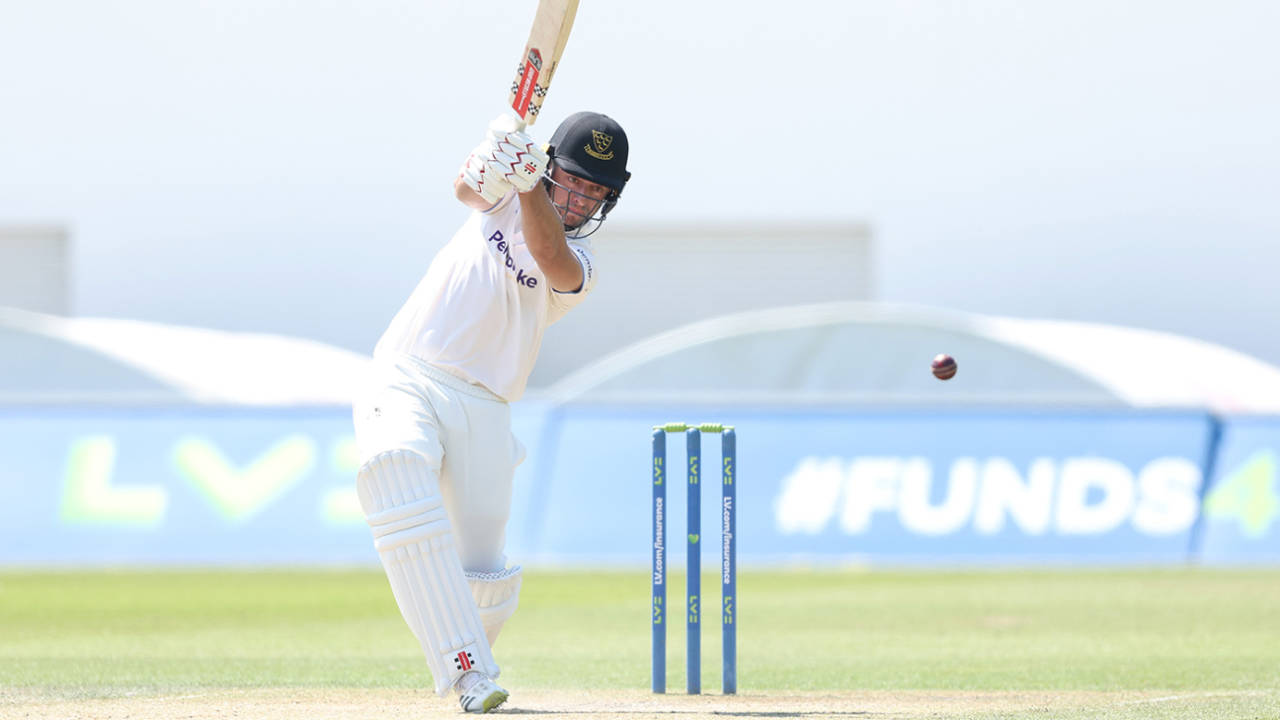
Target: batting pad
(400, 494)
(496, 594)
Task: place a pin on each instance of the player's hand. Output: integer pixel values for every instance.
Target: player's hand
(482, 174)
(516, 154)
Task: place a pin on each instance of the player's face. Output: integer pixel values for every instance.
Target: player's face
(577, 199)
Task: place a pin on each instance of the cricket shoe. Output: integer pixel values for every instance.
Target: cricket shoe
(479, 694)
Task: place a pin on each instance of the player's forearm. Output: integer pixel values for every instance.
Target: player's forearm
(544, 236)
(469, 197)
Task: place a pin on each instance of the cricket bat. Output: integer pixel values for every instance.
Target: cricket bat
(541, 57)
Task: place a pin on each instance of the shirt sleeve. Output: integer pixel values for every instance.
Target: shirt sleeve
(503, 205)
(561, 302)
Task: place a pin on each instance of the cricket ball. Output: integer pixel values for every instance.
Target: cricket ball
(944, 366)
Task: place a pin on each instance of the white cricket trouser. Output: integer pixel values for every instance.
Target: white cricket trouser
(461, 429)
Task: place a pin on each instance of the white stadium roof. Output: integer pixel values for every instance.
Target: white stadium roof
(849, 352)
(879, 353)
(46, 358)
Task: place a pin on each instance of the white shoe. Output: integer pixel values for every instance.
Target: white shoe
(479, 693)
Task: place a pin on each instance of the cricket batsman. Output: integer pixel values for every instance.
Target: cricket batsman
(432, 421)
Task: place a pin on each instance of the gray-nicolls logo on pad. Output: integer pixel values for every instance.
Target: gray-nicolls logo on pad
(463, 660)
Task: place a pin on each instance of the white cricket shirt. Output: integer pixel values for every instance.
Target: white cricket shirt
(481, 310)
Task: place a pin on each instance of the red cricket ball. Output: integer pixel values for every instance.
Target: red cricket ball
(944, 366)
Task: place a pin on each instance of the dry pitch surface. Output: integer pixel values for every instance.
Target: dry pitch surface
(278, 704)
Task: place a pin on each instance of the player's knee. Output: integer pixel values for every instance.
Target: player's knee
(400, 495)
(481, 541)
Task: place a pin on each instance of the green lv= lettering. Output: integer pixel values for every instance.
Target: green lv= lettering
(240, 493)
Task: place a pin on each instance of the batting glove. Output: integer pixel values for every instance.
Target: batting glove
(482, 174)
(515, 155)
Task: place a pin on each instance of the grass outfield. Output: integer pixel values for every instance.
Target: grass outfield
(1123, 643)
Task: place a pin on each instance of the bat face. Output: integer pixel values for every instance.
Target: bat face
(541, 56)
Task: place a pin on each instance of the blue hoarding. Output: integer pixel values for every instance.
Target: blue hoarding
(898, 486)
(254, 486)
(173, 486)
(1242, 502)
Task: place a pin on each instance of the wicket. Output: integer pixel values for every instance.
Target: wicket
(693, 583)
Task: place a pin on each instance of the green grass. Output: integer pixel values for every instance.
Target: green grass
(103, 634)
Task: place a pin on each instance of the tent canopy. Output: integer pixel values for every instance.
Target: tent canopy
(47, 358)
(880, 353)
(847, 352)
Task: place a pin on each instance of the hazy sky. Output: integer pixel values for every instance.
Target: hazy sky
(286, 166)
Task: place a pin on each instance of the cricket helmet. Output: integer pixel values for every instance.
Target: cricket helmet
(592, 146)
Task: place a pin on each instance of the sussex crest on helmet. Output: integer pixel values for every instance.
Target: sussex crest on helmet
(599, 147)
